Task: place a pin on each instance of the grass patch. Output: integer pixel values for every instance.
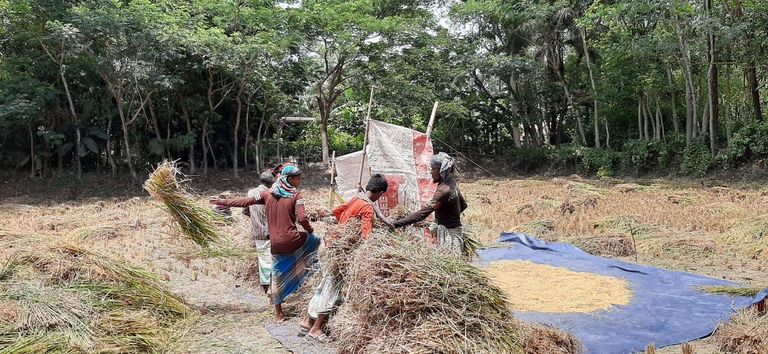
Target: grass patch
(621, 224)
(731, 290)
(536, 227)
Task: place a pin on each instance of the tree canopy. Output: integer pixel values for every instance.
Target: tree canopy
(118, 85)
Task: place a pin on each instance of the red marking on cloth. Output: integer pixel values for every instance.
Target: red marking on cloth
(391, 198)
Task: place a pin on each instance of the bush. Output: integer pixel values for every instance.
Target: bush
(697, 159)
(527, 159)
(600, 161)
(584, 159)
(640, 156)
(749, 142)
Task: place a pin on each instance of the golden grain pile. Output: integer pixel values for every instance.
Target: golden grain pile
(539, 288)
(194, 221)
(57, 297)
(401, 297)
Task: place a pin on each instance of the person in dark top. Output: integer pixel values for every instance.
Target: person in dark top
(293, 251)
(447, 204)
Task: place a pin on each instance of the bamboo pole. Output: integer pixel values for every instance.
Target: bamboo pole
(365, 139)
(333, 175)
(432, 119)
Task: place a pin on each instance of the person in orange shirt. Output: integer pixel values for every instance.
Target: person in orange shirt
(327, 294)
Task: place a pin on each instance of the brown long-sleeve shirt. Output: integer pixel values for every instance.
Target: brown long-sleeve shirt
(447, 204)
(282, 216)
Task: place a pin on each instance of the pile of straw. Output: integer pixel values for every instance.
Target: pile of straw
(194, 221)
(402, 297)
(747, 333)
(62, 298)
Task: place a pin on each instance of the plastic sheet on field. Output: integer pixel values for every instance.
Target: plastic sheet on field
(667, 307)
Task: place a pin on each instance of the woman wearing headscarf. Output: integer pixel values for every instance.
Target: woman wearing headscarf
(293, 251)
(447, 204)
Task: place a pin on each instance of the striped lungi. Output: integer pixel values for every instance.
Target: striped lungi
(265, 261)
(290, 270)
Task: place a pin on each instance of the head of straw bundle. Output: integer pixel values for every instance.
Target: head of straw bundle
(195, 221)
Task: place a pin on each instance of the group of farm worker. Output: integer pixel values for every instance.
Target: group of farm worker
(286, 254)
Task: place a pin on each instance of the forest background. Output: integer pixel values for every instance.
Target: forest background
(597, 87)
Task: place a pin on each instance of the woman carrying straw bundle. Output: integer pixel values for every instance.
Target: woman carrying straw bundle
(360, 208)
(293, 251)
(447, 204)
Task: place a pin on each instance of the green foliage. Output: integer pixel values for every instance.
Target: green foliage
(641, 156)
(697, 158)
(750, 142)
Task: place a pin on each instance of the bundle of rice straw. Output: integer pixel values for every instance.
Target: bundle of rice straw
(58, 297)
(401, 297)
(195, 221)
(341, 240)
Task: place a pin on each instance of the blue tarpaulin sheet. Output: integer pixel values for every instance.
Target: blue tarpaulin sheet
(667, 308)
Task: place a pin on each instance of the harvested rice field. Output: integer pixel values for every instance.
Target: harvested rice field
(537, 287)
(705, 227)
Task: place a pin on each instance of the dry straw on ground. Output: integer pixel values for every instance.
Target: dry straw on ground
(57, 297)
(747, 333)
(529, 287)
(196, 222)
(400, 297)
(606, 245)
(751, 232)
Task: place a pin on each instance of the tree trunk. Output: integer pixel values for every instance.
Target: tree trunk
(31, 151)
(120, 110)
(654, 123)
(705, 120)
(236, 131)
(646, 119)
(640, 116)
(516, 135)
(247, 132)
(156, 126)
(204, 144)
(728, 108)
(750, 71)
(670, 81)
(573, 107)
(659, 119)
(714, 119)
(685, 62)
(594, 86)
(754, 90)
(110, 156)
(213, 154)
(259, 164)
(325, 114)
(607, 135)
(75, 121)
(188, 121)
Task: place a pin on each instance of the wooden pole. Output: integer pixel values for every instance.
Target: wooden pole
(333, 175)
(365, 139)
(432, 119)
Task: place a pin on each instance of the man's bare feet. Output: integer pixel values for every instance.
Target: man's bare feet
(307, 323)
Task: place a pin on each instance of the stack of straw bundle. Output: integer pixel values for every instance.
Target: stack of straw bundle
(194, 221)
(400, 297)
